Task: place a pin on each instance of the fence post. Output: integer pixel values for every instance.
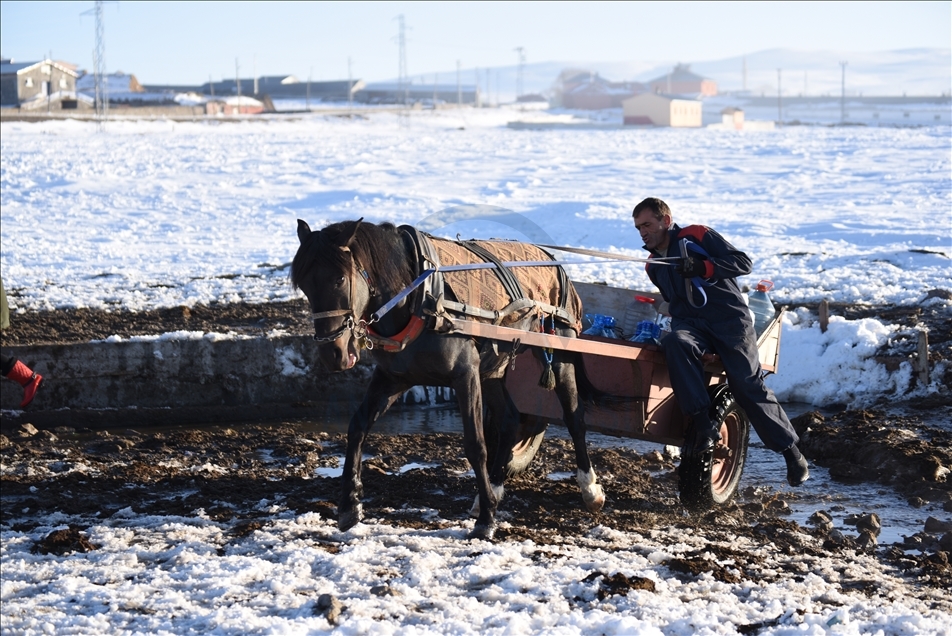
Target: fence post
(922, 357)
(824, 315)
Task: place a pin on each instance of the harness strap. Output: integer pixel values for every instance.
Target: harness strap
(400, 341)
(509, 282)
(697, 282)
(329, 314)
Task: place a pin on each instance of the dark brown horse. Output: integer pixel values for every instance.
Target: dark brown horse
(348, 271)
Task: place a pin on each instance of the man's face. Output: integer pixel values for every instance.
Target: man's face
(654, 232)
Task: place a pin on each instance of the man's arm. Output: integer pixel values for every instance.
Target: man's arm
(724, 260)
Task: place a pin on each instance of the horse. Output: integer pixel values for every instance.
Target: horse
(348, 271)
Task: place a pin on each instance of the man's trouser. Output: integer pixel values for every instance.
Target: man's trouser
(735, 343)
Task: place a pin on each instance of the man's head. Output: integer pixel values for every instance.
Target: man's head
(652, 220)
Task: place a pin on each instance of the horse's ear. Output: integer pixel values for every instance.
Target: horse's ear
(346, 237)
(304, 230)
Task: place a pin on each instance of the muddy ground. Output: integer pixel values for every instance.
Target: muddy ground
(92, 475)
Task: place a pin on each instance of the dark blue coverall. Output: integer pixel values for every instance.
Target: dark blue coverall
(722, 326)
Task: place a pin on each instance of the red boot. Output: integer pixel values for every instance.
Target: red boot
(28, 379)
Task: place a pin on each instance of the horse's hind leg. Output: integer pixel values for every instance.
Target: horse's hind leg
(469, 395)
(381, 394)
(573, 413)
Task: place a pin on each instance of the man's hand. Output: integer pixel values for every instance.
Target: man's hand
(689, 267)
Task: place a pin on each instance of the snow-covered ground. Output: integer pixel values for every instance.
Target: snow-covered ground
(153, 214)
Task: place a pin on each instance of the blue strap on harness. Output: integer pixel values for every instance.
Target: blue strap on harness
(698, 282)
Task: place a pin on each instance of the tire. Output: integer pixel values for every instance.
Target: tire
(712, 478)
(528, 441)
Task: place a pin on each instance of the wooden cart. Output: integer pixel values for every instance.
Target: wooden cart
(643, 404)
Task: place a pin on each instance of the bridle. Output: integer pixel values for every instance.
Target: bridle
(357, 326)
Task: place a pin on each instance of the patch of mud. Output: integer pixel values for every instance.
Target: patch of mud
(83, 325)
(246, 475)
(871, 445)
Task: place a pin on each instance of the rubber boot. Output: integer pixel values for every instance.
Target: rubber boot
(706, 434)
(797, 469)
(28, 379)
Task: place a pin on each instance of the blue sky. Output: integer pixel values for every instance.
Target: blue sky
(188, 42)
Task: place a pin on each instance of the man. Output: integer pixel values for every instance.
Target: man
(709, 315)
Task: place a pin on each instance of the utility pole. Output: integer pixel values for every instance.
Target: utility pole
(307, 90)
(211, 84)
(744, 71)
(779, 101)
(843, 93)
(459, 85)
(350, 89)
(238, 84)
(254, 71)
(436, 82)
(403, 79)
(519, 69)
(99, 62)
(476, 97)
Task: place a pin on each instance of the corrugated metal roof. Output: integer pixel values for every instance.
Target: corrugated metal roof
(15, 67)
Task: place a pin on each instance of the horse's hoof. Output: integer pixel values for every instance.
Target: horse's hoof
(486, 533)
(594, 499)
(349, 519)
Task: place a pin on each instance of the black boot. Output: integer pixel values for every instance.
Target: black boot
(706, 434)
(797, 470)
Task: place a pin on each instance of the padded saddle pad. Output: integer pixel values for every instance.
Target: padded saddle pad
(482, 287)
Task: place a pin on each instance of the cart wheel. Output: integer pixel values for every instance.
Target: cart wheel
(528, 441)
(712, 478)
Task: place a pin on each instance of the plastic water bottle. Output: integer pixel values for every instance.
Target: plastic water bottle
(640, 309)
(760, 306)
(602, 325)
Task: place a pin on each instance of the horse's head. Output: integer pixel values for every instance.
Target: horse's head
(327, 270)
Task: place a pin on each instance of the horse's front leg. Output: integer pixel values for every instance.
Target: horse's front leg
(502, 420)
(381, 394)
(573, 413)
(469, 395)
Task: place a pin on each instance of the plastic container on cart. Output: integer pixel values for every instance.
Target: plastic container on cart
(760, 306)
(640, 309)
(602, 325)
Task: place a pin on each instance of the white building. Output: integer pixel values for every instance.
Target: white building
(650, 109)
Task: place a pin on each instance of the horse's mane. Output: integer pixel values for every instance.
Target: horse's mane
(378, 248)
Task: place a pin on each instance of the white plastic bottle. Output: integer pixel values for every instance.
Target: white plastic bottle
(641, 308)
(760, 306)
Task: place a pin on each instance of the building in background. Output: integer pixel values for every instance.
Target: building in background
(276, 87)
(732, 118)
(393, 93)
(650, 109)
(25, 83)
(584, 90)
(681, 81)
(116, 83)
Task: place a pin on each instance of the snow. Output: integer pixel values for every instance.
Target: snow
(173, 575)
(159, 214)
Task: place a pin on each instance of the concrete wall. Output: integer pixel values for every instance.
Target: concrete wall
(137, 383)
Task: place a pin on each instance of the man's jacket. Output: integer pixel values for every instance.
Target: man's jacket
(724, 263)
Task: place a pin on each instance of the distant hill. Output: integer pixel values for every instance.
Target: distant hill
(926, 71)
